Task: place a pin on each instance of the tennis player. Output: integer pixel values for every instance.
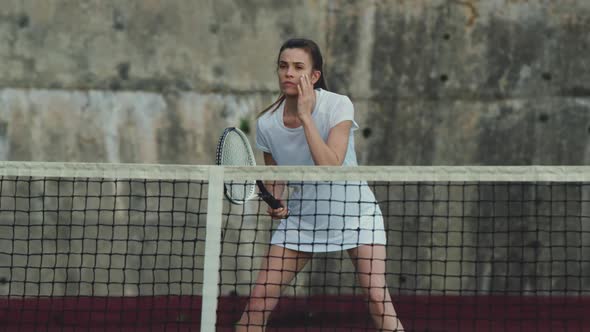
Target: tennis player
(309, 125)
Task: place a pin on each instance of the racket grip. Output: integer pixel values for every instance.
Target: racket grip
(271, 201)
(266, 196)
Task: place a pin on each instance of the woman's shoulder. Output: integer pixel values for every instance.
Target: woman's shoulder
(333, 101)
(331, 96)
(266, 119)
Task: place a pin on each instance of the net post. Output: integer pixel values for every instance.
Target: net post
(212, 249)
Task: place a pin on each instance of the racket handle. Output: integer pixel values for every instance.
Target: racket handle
(266, 196)
(271, 201)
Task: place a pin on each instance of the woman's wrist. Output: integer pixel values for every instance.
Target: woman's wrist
(305, 118)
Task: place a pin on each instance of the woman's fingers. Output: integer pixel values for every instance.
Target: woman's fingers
(307, 82)
(305, 85)
(280, 213)
(306, 98)
(303, 91)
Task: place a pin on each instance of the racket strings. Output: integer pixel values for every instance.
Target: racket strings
(234, 150)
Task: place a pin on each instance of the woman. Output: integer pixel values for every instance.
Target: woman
(309, 125)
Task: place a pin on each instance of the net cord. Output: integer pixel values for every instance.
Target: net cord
(301, 173)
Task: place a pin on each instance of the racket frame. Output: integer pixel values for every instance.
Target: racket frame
(264, 194)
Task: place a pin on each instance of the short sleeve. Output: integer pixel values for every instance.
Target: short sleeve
(261, 142)
(343, 111)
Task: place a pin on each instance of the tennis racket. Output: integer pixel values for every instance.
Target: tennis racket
(233, 149)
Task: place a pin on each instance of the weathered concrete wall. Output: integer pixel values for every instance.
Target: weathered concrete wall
(223, 46)
(441, 82)
(132, 127)
(212, 59)
(488, 82)
(492, 82)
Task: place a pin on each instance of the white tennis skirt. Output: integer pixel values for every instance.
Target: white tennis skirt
(330, 217)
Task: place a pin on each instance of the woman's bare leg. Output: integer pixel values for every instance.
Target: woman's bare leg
(278, 270)
(369, 261)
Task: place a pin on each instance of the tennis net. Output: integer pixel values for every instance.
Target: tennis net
(105, 247)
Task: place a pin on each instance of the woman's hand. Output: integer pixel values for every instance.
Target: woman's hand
(280, 213)
(306, 98)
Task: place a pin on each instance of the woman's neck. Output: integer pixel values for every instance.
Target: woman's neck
(291, 106)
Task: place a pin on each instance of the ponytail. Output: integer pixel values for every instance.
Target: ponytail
(273, 107)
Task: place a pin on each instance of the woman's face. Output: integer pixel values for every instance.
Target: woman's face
(293, 63)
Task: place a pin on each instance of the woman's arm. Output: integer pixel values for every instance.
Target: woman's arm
(276, 188)
(331, 152)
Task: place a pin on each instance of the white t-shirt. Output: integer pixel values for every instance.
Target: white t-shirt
(323, 216)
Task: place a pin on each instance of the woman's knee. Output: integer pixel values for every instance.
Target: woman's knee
(378, 294)
(261, 304)
(263, 298)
